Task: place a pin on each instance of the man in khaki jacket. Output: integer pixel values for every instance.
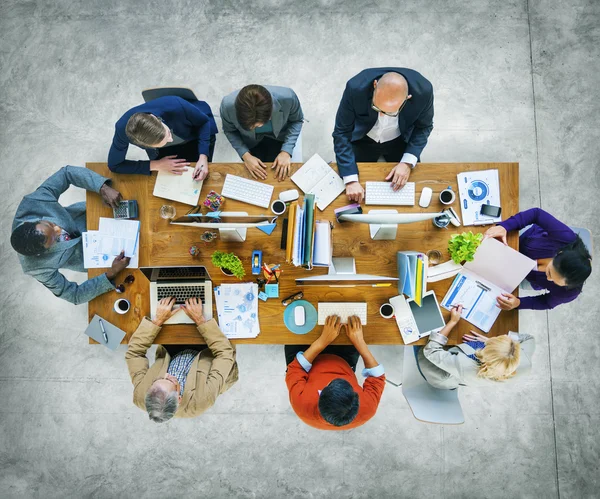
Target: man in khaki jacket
(182, 382)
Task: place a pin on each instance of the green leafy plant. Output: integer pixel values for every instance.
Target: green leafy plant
(229, 262)
(462, 247)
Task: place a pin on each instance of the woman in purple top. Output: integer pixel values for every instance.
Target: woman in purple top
(563, 261)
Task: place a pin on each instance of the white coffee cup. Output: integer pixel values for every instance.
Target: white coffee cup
(122, 306)
(447, 196)
(386, 310)
(278, 207)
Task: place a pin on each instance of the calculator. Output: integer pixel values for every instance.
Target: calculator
(126, 209)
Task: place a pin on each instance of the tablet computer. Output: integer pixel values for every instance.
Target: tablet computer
(428, 316)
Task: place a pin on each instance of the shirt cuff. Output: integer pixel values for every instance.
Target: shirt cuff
(306, 365)
(409, 158)
(374, 372)
(350, 178)
(438, 338)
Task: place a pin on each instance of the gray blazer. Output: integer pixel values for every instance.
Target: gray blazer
(42, 204)
(448, 369)
(287, 119)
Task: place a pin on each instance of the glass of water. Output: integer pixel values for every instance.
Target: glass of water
(167, 211)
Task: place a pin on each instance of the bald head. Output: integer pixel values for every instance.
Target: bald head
(391, 91)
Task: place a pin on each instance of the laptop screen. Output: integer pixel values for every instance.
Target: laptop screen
(193, 273)
(428, 317)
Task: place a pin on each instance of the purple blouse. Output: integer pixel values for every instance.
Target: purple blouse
(543, 239)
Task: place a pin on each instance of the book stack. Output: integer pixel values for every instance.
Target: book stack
(412, 274)
(308, 240)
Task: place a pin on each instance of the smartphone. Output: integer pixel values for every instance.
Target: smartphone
(489, 210)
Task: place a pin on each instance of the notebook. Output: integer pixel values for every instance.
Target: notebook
(115, 335)
(182, 188)
(318, 178)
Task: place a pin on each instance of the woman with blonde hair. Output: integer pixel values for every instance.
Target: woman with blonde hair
(478, 361)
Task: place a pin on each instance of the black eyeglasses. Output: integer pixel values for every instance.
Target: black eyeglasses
(296, 296)
(391, 115)
(128, 280)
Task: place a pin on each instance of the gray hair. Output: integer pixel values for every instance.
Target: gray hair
(161, 405)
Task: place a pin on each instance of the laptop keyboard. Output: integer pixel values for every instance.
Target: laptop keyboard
(178, 272)
(181, 293)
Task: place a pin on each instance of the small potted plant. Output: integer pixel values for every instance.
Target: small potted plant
(462, 247)
(228, 263)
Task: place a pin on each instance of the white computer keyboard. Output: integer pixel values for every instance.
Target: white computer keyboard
(247, 191)
(381, 193)
(343, 309)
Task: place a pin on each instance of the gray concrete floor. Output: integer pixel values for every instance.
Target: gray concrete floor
(515, 80)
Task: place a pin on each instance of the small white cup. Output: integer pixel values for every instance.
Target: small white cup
(278, 207)
(386, 311)
(122, 306)
(447, 196)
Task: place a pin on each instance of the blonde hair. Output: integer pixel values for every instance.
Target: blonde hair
(499, 358)
(145, 130)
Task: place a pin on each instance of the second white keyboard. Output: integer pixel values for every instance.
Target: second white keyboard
(247, 191)
(381, 193)
(343, 309)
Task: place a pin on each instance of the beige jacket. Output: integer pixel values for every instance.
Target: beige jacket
(447, 369)
(213, 371)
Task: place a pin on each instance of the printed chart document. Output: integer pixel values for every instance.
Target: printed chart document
(237, 309)
(476, 189)
(182, 188)
(318, 178)
(100, 247)
(495, 269)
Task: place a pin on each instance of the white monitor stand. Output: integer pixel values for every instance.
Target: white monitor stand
(345, 265)
(383, 232)
(233, 235)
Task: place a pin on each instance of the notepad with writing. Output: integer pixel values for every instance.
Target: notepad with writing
(318, 178)
(182, 188)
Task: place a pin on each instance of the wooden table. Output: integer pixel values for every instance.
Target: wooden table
(164, 244)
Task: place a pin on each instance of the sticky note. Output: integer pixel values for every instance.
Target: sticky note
(272, 290)
(263, 296)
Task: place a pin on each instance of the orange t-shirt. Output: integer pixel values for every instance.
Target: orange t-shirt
(304, 390)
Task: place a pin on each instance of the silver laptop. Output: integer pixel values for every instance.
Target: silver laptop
(182, 283)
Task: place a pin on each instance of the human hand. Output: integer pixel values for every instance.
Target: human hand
(455, 314)
(506, 301)
(475, 336)
(331, 330)
(354, 330)
(110, 196)
(399, 175)
(355, 192)
(119, 263)
(282, 164)
(165, 310)
(169, 164)
(255, 166)
(201, 169)
(193, 309)
(496, 232)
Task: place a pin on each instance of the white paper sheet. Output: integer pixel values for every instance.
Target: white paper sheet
(182, 188)
(237, 309)
(100, 247)
(318, 178)
(475, 189)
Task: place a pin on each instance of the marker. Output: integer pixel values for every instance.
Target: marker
(384, 285)
(103, 330)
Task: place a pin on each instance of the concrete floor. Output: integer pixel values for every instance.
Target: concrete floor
(515, 80)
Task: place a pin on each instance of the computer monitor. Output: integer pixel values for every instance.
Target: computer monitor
(342, 274)
(383, 224)
(231, 225)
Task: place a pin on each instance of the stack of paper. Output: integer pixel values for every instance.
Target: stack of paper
(182, 188)
(318, 178)
(237, 309)
(100, 247)
(412, 274)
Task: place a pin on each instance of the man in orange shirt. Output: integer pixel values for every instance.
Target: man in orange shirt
(323, 389)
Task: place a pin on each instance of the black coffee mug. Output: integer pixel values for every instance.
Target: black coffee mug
(278, 207)
(387, 311)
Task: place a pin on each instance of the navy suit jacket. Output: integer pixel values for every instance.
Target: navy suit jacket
(189, 120)
(355, 117)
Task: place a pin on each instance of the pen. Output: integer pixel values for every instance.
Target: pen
(383, 285)
(103, 330)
